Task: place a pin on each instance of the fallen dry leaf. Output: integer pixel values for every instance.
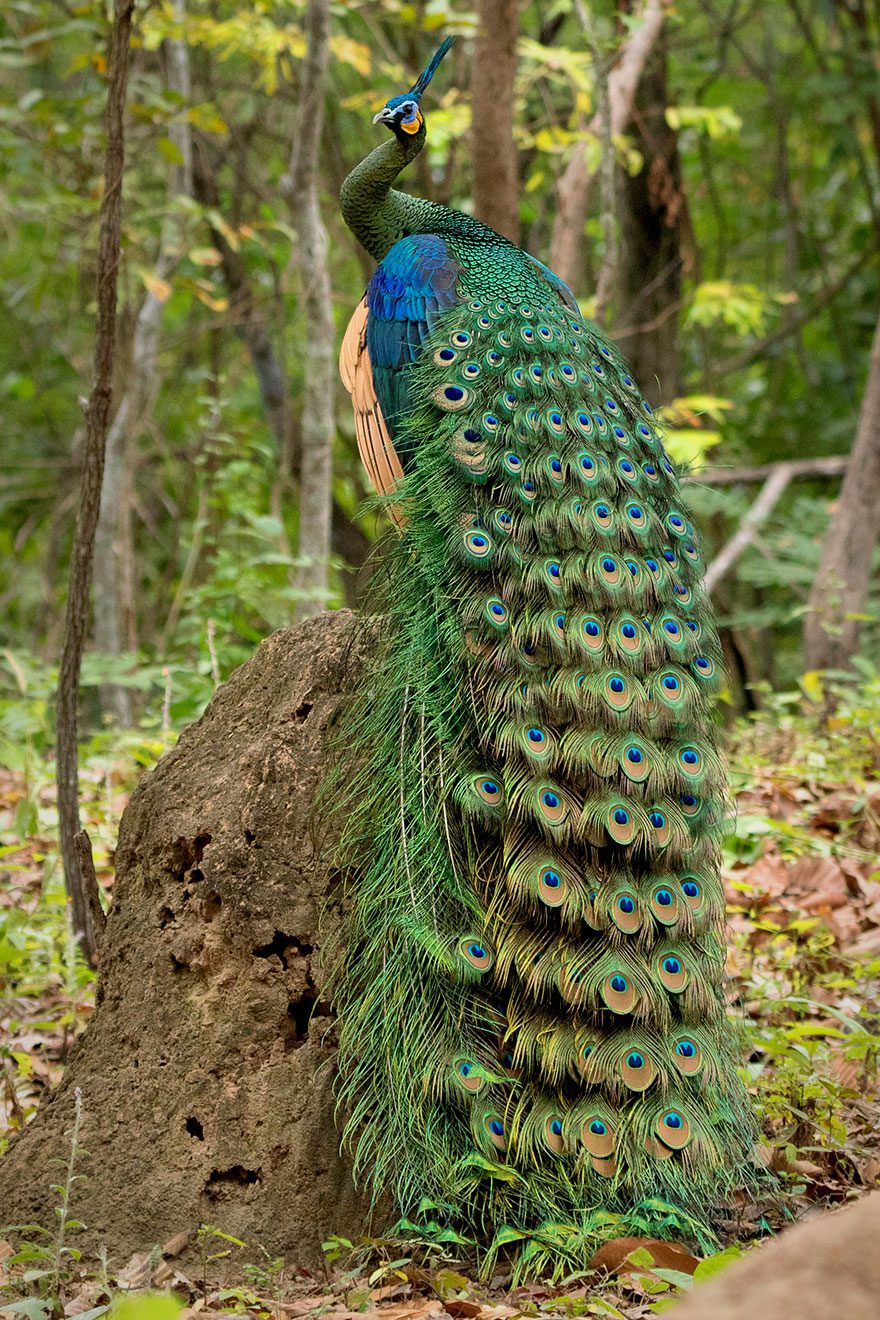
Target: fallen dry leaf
(613, 1256)
(459, 1306)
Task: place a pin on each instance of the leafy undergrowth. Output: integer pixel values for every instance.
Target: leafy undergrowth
(803, 886)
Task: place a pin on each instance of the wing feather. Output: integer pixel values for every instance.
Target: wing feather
(375, 446)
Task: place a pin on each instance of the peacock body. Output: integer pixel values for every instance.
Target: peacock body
(532, 1022)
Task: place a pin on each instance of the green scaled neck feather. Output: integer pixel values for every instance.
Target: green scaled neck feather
(534, 1050)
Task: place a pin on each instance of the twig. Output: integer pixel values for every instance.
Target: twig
(96, 425)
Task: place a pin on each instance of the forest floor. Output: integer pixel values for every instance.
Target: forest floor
(802, 871)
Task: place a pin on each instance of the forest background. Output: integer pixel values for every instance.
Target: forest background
(705, 174)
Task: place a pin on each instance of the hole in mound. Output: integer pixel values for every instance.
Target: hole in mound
(302, 712)
(194, 1128)
(222, 1183)
(211, 905)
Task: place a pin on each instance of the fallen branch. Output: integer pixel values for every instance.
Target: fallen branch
(96, 426)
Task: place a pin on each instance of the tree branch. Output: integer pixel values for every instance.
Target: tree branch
(96, 424)
(770, 495)
(833, 466)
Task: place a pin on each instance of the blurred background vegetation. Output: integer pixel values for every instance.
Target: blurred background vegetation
(743, 221)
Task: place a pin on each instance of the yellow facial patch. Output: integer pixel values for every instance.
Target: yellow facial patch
(414, 125)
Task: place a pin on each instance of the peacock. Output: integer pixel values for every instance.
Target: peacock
(534, 1047)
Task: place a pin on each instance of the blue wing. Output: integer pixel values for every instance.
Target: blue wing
(415, 282)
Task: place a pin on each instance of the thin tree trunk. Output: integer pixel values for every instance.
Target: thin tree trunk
(650, 267)
(496, 172)
(832, 627)
(348, 540)
(319, 375)
(114, 595)
(575, 184)
(97, 421)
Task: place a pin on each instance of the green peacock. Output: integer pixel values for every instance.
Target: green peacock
(533, 1038)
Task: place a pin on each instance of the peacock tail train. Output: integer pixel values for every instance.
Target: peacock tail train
(533, 1036)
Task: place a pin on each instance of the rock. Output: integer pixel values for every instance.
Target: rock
(206, 1073)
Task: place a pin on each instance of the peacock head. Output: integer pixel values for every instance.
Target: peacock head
(402, 114)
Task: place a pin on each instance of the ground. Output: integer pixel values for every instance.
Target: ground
(803, 887)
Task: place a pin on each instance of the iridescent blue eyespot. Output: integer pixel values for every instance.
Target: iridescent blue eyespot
(550, 799)
(447, 355)
(672, 1120)
(672, 966)
(553, 570)
(626, 904)
(643, 430)
(634, 754)
(472, 436)
(606, 352)
(609, 565)
(686, 1049)
(497, 1127)
(611, 405)
(498, 610)
(628, 630)
(536, 735)
(690, 888)
(599, 1129)
(490, 787)
(671, 683)
(657, 819)
(616, 684)
(591, 628)
(551, 879)
(688, 800)
(626, 466)
(556, 1127)
(635, 1060)
(476, 951)
(454, 393)
(621, 817)
(672, 628)
(669, 556)
(663, 897)
(652, 565)
(619, 986)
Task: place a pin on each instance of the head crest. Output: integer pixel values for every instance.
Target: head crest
(424, 78)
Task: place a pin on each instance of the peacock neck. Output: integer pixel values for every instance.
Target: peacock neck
(377, 214)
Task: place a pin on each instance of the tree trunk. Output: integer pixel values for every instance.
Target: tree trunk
(77, 878)
(114, 595)
(840, 591)
(496, 170)
(575, 184)
(205, 1071)
(650, 263)
(316, 309)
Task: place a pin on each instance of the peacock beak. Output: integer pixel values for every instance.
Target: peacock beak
(385, 116)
